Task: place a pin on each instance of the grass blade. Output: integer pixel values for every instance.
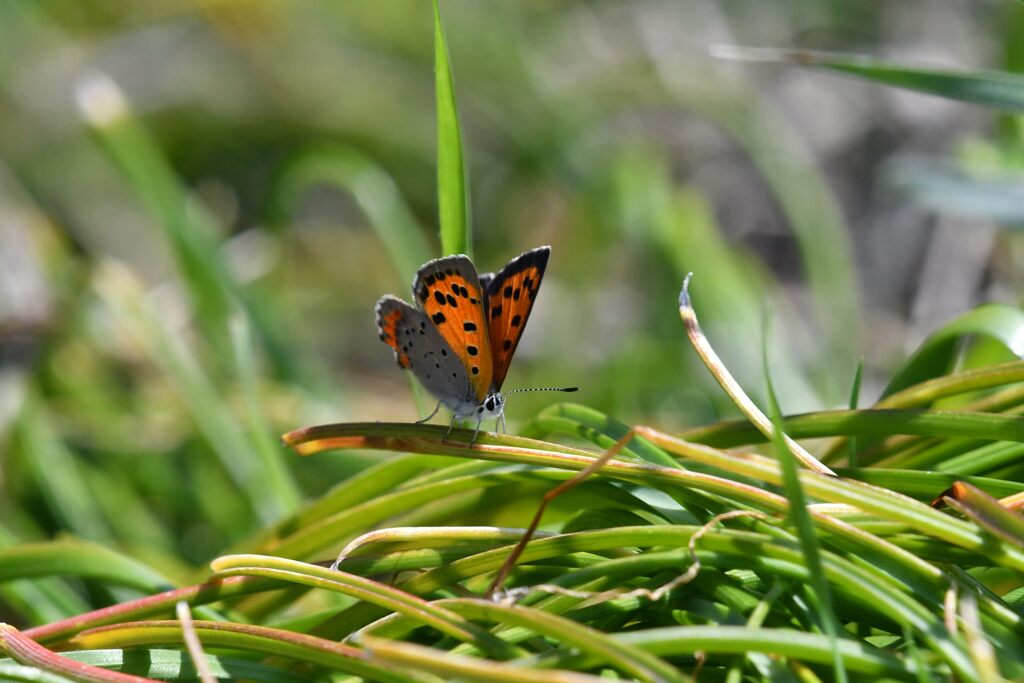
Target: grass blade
(452, 195)
(821, 593)
(996, 89)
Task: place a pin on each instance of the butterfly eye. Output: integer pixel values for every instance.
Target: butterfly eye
(490, 403)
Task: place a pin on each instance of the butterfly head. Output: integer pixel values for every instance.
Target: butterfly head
(492, 406)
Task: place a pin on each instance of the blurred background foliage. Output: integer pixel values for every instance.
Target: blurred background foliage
(200, 203)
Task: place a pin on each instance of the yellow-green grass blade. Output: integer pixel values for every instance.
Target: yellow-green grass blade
(244, 637)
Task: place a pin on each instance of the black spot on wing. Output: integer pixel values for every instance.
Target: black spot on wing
(496, 312)
(516, 319)
(472, 350)
(451, 301)
(439, 297)
(438, 318)
(469, 327)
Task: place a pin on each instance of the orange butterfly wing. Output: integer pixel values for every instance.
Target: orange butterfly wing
(448, 291)
(510, 296)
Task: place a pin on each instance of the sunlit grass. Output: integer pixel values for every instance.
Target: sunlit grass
(226, 298)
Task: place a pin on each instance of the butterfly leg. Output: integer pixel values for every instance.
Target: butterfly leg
(429, 417)
(450, 428)
(476, 431)
(500, 424)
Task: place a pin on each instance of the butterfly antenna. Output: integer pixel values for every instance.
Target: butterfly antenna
(565, 389)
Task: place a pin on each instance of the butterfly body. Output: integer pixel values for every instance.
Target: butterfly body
(460, 337)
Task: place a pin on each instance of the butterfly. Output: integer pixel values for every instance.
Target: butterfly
(460, 338)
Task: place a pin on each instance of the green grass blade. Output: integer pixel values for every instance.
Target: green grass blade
(996, 89)
(869, 422)
(452, 193)
(854, 401)
(57, 472)
(265, 448)
(801, 519)
(123, 294)
(170, 665)
(1001, 323)
(679, 640)
(269, 642)
(75, 558)
(188, 228)
(10, 671)
(629, 660)
(365, 589)
(987, 512)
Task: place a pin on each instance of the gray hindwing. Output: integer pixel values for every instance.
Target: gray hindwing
(429, 356)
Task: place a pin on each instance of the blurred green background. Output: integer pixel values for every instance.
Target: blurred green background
(201, 202)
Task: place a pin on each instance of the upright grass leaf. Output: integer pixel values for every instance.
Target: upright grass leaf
(265, 448)
(854, 400)
(996, 89)
(58, 473)
(371, 188)
(188, 228)
(798, 514)
(239, 458)
(813, 214)
(452, 194)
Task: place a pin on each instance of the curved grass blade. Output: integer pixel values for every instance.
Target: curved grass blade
(569, 633)
(364, 589)
(463, 668)
(174, 665)
(373, 190)
(731, 386)
(151, 605)
(937, 354)
(996, 89)
(27, 651)
(1001, 323)
(246, 637)
(882, 502)
(452, 193)
(77, 558)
